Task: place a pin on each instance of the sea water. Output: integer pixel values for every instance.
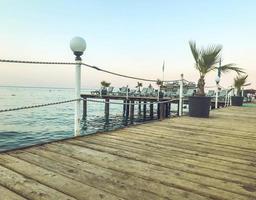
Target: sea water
(38, 125)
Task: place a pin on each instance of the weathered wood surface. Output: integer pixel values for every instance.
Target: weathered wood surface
(178, 158)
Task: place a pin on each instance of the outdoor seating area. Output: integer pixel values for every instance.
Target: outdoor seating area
(171, 90)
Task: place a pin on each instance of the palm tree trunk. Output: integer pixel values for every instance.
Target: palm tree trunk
(200, 85)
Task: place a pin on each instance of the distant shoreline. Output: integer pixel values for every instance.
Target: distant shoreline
(41, 87)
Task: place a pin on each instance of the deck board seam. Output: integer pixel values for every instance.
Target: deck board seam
(228, 172)
(137, 160)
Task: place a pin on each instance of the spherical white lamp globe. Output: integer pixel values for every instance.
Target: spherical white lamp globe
(217, 79)
(78, 45)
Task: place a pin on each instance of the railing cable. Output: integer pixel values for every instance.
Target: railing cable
(84, 64)
(37, 106)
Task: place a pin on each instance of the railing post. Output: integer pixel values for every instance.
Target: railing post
(226, 99)
(78, 46)
(181, 95)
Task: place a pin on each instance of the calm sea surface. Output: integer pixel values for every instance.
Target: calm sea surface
(38, 125)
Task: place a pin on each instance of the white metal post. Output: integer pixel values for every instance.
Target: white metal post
(226, 99)
(127, 92)
(77, 96)
(181, 95)
(242, 92)
(78, 46)
(216, 95)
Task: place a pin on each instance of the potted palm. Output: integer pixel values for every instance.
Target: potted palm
(139, 85)
(206, 60)
(239, 82)
(104, 88)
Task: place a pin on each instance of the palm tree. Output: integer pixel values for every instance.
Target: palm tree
(159, 82)
(206, 61)
(105, 84)
(139, 85)
(240, 81)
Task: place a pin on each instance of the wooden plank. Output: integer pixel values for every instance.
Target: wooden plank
(186, 153)
(177, 156)
(239, 146)
(160, 160)
(201, 129)
(219, 155)
(123, 184)
(151, 172)
(56, 181)
(28, 188)
(7, 194)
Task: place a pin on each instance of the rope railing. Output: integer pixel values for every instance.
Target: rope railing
(84, 64)
(37, 106)
(72, 100)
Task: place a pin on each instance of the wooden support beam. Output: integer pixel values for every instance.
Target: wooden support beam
(144, 110)
(84, 108)
(139, 108)
(178, 108)
(107, 108)
(132, 111)
(124, 108)
(169, 109)
(158, 111)
(166, 109)
(127, 109)
(151, 110)
(161, 111)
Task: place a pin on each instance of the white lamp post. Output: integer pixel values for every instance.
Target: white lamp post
(78, 46)
(217, 80)
(181, 95)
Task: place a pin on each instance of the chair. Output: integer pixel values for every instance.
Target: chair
(189, 92)
(211, 93)
(144, 92)
(95, 92)
(222, 95)
(123, 91)
(110, 90)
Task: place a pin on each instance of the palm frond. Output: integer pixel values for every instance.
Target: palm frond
(194, 50)
(211, 56)
(239, 81)
(246, 84)
(231, 67)
(205, 58)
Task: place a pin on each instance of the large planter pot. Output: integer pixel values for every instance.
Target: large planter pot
(199, 106)
(237, 101)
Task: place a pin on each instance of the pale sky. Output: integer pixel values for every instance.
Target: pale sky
(130, 37)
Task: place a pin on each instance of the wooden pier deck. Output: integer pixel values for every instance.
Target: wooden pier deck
(178, 158)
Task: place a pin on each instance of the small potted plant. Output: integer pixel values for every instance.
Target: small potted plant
(104, 89)
(161, 86)
(239, 82)
(139, 85)
(206, 60)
